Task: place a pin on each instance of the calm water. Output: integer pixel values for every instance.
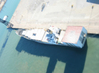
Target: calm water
(8, 10)
(18, 55)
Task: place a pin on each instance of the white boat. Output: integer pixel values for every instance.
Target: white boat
(5, 17)
(74, 36)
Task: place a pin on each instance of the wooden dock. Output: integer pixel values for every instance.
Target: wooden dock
(60, 13)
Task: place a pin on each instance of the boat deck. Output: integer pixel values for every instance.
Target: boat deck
(59, 13)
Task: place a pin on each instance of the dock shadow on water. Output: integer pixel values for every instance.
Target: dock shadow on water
(73, 57)
(5, 41)
(6, 23)
(93, 1)
(93, 35)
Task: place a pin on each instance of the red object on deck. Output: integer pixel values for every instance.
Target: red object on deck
(72, 34)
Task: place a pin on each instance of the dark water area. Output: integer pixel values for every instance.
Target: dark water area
(93, 35)
(93, 1)
(5, 41)
(73, 57)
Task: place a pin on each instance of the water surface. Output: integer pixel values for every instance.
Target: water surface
(18, 55)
